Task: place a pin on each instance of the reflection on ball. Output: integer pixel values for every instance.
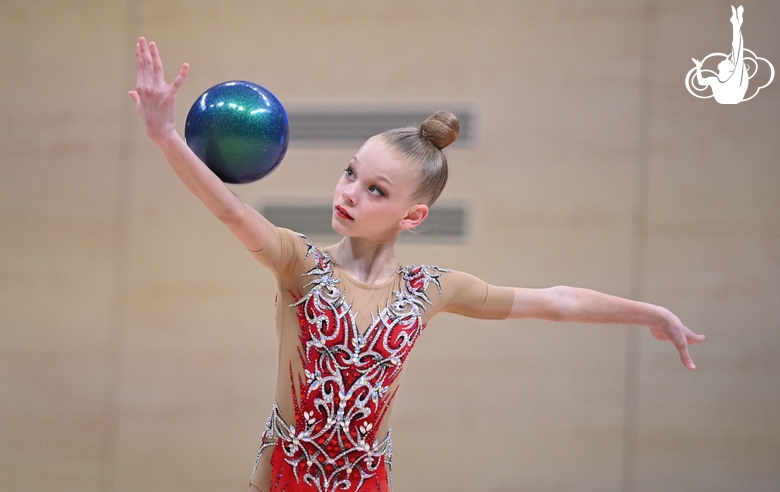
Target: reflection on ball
(239, 129)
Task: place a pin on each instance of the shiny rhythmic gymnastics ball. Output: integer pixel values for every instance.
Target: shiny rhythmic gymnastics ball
(239, 129)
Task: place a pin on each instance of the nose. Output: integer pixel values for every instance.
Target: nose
(348, 193)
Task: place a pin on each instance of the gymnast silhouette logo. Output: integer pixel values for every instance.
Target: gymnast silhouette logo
(730, 84)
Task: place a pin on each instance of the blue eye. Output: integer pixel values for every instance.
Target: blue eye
(349, 172)
(376, 190)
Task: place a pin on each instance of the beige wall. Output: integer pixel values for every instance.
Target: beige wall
(136, 349)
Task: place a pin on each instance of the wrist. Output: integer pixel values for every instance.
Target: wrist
(168, 140)
(662, 317)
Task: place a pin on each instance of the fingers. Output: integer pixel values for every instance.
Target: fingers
(138, 64)
(157, 66)
(685, 357)
(179, 80)
(150, 71)
(148, 64)
(144, 63)
(155, 100)
(689, 338)
(681, 336)
(694, 339)
(680, 341)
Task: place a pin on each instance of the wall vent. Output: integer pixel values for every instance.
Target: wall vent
(350, 127)
(446, 222)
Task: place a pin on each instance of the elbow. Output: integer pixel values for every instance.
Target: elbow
(230, 214)
(563, 303)
(551, 304)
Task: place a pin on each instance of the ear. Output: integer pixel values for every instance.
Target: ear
(415, 216)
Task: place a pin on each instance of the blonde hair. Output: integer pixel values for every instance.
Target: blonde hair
(423, 147)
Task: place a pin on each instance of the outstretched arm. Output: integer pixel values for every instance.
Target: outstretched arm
(701, 80)
(155, 101)
(588, 306)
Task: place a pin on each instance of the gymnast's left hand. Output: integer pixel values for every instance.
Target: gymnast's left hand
(673, 330)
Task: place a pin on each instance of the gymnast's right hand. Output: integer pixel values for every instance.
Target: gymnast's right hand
(154, 99)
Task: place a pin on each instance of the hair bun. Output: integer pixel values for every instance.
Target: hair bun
(441, 128)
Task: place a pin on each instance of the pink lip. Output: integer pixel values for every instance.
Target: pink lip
(343, 213)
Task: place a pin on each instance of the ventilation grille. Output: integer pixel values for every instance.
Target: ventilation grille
(445, 222)
(333, 128)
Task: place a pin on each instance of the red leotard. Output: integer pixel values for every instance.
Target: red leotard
(342, 348)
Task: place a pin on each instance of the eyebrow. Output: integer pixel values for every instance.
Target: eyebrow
(379, 177)
(384, 178)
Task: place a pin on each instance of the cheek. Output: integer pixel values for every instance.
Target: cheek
(339, 188)
(386, 213)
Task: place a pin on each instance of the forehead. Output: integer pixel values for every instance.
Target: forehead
(376, 157)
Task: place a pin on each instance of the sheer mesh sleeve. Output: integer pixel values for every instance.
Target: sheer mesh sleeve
(467, 295)
(284, 254)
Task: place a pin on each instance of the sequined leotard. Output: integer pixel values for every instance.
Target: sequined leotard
(342, 348)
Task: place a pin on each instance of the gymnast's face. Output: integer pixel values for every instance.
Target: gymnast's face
(725, 69)
(373, 198)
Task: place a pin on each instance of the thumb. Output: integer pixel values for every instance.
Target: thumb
(134, 96)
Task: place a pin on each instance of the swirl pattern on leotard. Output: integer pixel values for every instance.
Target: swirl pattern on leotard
(348, 375)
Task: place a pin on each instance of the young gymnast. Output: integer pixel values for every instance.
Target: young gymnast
(348, 315)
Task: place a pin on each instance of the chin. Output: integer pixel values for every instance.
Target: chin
(338, 227)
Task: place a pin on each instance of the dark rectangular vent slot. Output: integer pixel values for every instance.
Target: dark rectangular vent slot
(312, 220)
(354, 127)
(445, 222)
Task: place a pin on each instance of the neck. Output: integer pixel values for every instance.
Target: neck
(368, 262)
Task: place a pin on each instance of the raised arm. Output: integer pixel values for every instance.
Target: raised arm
(588, 306)
(155, 101)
